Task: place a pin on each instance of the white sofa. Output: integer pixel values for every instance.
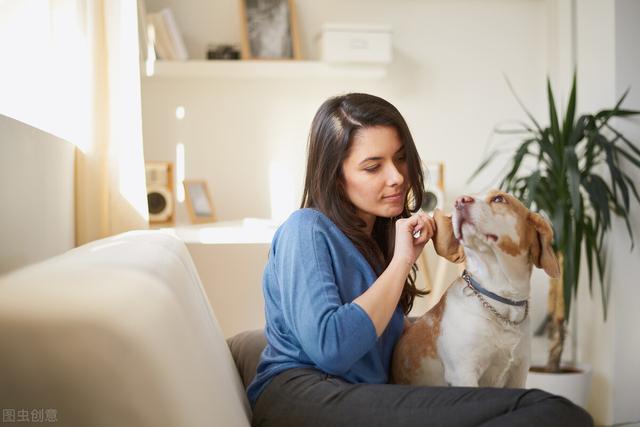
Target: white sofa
(117, 332)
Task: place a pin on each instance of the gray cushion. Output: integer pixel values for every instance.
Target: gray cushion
(246, 348)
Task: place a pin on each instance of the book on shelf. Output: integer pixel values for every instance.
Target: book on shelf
(168, 41)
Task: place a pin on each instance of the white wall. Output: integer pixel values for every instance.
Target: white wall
(596, 81)
(608, 64)
(625, 265)
(37, 215)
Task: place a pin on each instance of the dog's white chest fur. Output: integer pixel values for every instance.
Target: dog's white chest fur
(472, 346)
(477, 348)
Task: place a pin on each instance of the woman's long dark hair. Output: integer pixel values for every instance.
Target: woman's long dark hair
(333, 129)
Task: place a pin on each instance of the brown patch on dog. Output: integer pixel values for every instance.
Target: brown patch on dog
(542, 254)
(418, 341)
(509, 246)
(434, 319)
(512, 206)
(536, 234)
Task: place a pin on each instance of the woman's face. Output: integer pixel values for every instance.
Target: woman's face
(375, 174)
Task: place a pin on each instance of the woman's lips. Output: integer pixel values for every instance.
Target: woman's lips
(393, 197)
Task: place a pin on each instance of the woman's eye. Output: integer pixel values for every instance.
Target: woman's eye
(498, 199)
(371, 168)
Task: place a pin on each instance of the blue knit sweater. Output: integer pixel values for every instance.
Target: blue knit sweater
(312, 276)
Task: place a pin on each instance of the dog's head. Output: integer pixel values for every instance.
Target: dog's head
(496, 222)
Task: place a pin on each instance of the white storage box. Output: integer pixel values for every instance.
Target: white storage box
(356, 43)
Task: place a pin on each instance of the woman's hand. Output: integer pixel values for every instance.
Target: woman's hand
(408, 247)
(381, 299)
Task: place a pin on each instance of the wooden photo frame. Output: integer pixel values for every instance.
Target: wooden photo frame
(269, 29)
(198, 201)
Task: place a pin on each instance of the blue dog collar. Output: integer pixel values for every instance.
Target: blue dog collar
(475, 285)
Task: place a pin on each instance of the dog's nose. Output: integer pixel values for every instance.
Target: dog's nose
(461, 202)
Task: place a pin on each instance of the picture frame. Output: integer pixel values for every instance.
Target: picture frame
(198, 201)
(269, 29)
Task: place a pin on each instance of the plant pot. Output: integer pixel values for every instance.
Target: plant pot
(574, 383)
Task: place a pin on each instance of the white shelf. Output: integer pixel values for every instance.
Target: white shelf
(264, 69)
(246, 231)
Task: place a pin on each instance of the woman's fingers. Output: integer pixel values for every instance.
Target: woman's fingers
(427, 225)
(425, 235)
(418, 227)
(422, 227)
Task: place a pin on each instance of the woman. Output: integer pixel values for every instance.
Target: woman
(340, 279)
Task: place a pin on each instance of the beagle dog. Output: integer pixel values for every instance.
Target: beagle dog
(477, 333)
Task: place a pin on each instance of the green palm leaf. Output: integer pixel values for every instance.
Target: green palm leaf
(567, 129)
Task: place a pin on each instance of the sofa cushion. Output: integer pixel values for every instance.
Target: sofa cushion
(246, 348)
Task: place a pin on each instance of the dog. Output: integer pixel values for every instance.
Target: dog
(477, 334)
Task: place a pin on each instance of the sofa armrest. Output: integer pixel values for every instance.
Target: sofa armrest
(117, 332)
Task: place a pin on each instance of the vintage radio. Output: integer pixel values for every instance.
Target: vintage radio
(160, 195)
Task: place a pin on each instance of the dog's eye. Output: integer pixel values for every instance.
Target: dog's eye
(498, 199)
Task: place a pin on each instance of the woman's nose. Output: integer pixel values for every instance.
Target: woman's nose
(395, 177)
(462, 202)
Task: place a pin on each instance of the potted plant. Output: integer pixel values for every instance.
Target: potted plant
(570, 170)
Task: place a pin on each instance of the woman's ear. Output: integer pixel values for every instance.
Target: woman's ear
(542, 253)
(444, 241)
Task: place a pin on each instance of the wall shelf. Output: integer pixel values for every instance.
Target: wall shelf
(264, 69)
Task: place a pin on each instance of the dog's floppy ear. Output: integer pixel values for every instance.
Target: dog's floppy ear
(444, 242)
(542, 252)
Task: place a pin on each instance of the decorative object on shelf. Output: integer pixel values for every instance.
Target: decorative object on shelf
(160, 198)
(433, 196)
(270, 29)
(199, 202)
(166, 36)
(356, 43)
(566, 180)
(223, 51)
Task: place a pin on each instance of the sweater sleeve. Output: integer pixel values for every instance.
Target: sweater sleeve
(333, 334)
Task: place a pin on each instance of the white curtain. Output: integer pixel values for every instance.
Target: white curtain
(110, 181)
(71, 68)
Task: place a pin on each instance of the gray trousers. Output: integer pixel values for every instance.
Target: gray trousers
(307, 397)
